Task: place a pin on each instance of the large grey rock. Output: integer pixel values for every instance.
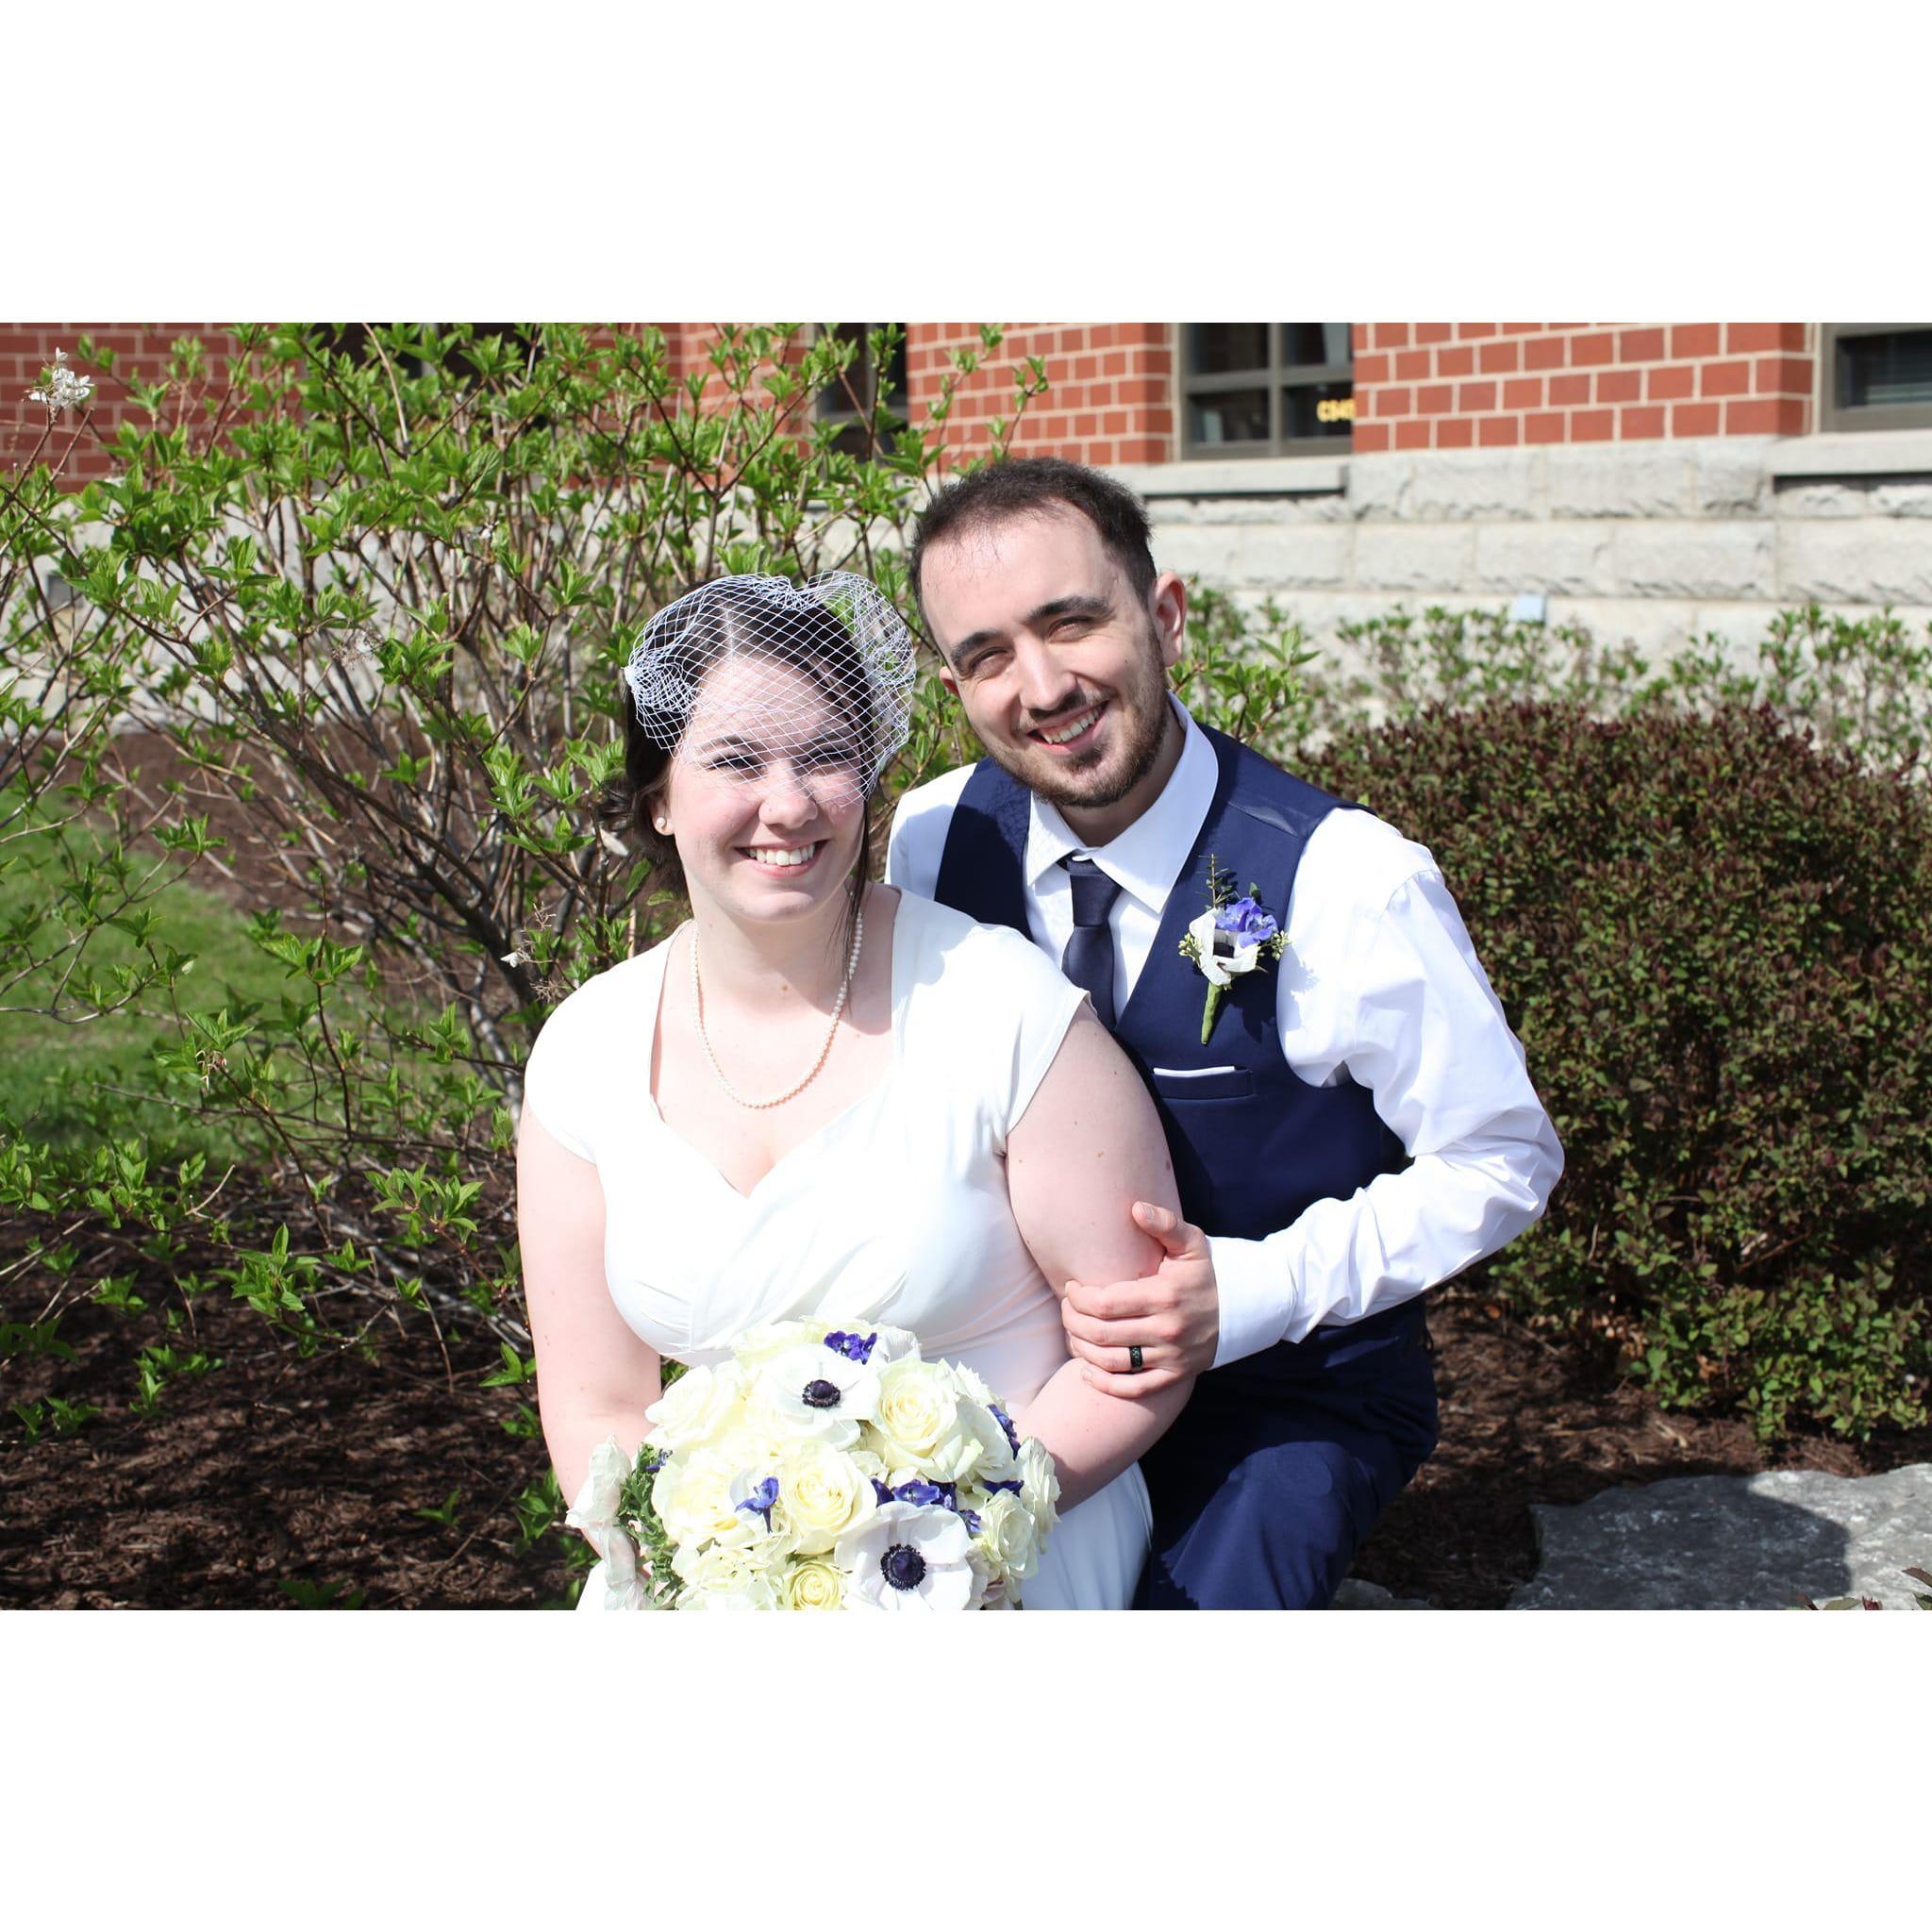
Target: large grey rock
(1721, 1543)
(1358, 1594)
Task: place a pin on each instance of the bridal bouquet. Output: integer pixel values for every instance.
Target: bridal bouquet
(821, 1469)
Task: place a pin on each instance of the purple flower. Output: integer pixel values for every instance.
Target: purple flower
(1005, 1421)
(929, 1495)
(761, 1499)
(970, 1518)
(854, 1348)
(993, 1489)
(880, 1491)
(1246, 921)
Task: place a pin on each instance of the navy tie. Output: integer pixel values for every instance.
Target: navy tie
(1089, 959)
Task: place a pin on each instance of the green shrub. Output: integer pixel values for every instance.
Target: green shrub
(1714, 939)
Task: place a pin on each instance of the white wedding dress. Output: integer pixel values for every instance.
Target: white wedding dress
(896, 1211)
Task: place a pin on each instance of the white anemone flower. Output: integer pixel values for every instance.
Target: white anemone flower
(909, 1556)
(816, 1392)
(1220, 967)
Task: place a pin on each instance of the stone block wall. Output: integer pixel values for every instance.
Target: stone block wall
(1651, 541)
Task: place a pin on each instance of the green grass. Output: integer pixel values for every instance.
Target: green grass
(72, 1083)
(79, 1084)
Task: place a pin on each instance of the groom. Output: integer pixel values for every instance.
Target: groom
(1357, 1125)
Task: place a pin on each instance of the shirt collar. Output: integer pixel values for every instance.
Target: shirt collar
(1147, 858)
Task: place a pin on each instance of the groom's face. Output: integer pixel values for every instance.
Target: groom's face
(1060, 668)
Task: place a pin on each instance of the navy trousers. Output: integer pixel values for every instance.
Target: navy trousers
(1280, 1464)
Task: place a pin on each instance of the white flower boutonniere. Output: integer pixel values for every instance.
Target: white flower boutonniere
(1232, 936)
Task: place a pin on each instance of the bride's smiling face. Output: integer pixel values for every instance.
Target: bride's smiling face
(765, 796)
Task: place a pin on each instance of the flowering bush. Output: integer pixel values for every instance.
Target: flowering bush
(365, 595)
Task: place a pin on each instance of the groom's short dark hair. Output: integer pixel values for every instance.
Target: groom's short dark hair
(1024, 486)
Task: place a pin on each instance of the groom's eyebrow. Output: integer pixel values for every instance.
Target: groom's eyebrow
(1079, 604)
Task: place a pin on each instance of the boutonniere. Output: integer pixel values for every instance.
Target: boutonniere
(1233, 936)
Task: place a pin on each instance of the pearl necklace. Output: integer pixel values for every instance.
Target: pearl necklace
(697, 996)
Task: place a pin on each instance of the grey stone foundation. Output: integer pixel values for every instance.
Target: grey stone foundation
(1654, 542)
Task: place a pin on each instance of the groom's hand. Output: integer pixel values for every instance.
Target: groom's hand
(1172, 1314)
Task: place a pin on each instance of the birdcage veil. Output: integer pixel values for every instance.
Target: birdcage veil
(850, 649)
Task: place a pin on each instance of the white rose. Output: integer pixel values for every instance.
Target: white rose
(994, 1463)
(695, 1504)
(1040, 1486)
(719, 1578)
(697, 1406)
(1006, 1535)
(917, 1411)
(823, 1492)
(813, 1583)
(969, 1385)
(757, 1346)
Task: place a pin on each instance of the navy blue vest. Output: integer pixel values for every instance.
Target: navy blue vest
(1251, 1147)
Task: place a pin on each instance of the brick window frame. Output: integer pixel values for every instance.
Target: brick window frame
(1835, 415)
(1279, 374)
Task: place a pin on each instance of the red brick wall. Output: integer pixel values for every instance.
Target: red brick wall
(1457, 385)
(1109, 399)
(141, 351)
(1112, 394)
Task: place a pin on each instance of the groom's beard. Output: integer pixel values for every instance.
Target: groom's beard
(1139, 718)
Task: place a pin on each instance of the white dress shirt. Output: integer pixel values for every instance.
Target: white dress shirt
(1378, 984)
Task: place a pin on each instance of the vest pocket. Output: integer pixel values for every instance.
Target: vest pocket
(1210, 1083)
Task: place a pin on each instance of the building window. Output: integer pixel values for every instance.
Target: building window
(849, 400)
(1877, 375)
(1266, 388)
(351, 339)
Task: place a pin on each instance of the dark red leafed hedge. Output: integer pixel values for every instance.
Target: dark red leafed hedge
(1715, 941)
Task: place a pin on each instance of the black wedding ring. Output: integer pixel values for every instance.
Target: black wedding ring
(1134, 1358)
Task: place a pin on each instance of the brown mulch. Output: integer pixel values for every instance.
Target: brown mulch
(269, 1469)
(272, 1468)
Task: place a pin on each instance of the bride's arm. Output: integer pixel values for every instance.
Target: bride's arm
(1086, 1148)
(595, 1377)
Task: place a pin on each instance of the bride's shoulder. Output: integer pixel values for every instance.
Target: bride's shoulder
(960, 951)
(631, 984)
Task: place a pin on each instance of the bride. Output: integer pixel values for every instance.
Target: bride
(820, 1098)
